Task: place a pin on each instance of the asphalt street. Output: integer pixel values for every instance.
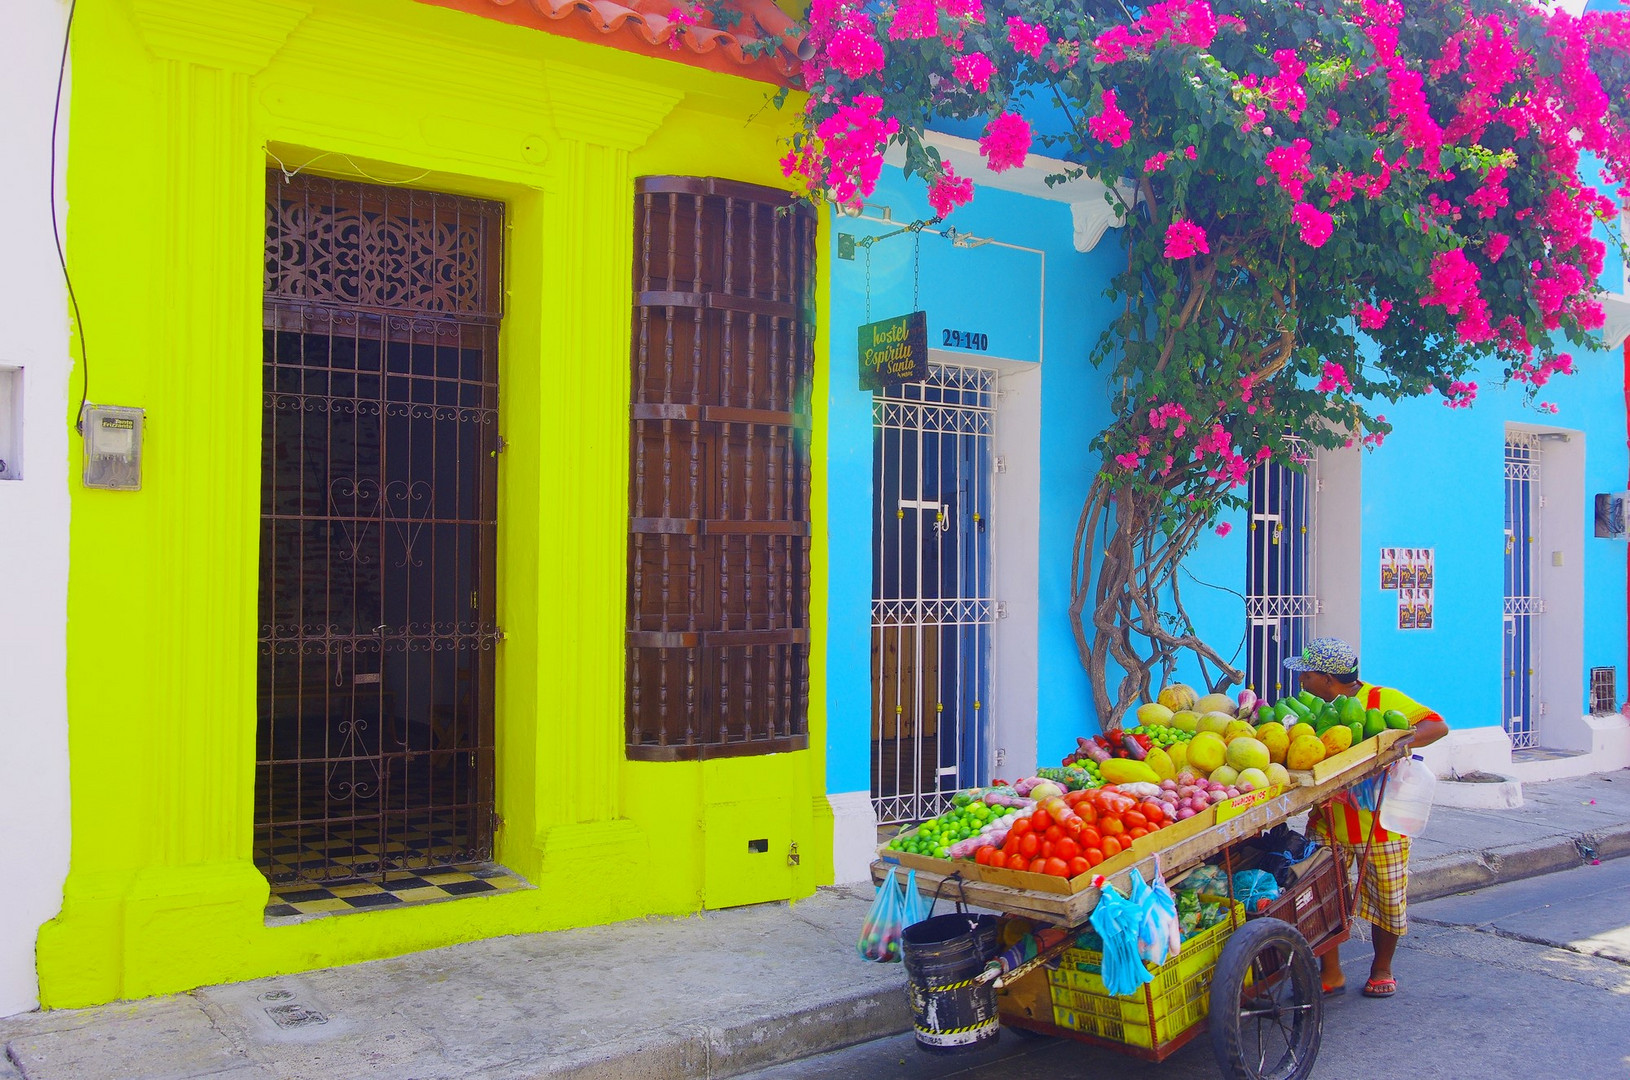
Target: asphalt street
(1525, 980)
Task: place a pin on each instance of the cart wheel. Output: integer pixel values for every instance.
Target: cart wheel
(1266, 1004)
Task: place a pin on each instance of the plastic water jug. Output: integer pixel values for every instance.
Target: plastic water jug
(1408, 798)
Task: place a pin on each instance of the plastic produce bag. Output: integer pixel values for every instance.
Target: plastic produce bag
(1159, 933)
(1117, 920)
(1256, 889)
(880, 933)
(915, 907)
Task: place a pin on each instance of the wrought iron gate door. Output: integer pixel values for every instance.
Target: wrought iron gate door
(378, 530)
(931, 590)
(1519, 651)
(1280, 603)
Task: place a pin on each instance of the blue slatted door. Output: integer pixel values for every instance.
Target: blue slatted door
(1523, 606)
(1280, 603)
(931, 591)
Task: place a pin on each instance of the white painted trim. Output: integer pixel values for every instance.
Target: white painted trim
(1338, 534)
(34, 510)
(1475, 749)
(1561, 628)
(854, 836)
(1092, 209)
(1015, 555)
(1604, 742)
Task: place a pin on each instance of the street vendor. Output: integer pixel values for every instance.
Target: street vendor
(1329, 669)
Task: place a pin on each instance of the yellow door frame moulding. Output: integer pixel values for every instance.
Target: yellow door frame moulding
(163, 894)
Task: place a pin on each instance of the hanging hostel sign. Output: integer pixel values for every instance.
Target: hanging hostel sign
(894, 351)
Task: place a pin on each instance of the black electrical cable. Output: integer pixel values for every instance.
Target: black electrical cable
(56, 226)
(1226, 589)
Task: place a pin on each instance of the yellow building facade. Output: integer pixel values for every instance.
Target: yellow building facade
(178, 109)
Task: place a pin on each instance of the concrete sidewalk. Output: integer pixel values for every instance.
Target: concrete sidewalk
(710, 996)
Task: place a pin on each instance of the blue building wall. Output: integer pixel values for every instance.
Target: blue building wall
(993, 290)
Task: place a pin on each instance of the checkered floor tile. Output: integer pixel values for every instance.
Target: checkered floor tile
(397, 888)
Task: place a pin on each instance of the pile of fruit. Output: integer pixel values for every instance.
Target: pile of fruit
(972, 814)
(1068, 835)
(1250, 745)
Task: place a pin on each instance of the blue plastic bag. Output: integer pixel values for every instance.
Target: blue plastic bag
(885, 921)
(1117, 921)
(1256, 889)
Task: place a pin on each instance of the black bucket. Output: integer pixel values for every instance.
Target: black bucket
(950, 1011)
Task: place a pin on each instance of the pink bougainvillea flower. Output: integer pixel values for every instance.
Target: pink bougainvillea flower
(1495, 245)
(966, 9)
(1371, 316)
(1027, 38)
(1006, 142)
(914, 20)
(1454, 281)
(1224, 529)
(1291, 166)
(855, 50)
(1185, 239)
(974, 70)
(1334, 377)
(1315, 224)
(1111, 125)
(949, 191)
(1155, 162)
(1190, 153)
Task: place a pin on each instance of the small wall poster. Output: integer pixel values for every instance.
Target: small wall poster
(1412, 573)
(1406, 609)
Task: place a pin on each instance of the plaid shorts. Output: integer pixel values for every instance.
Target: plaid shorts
(1382, 898)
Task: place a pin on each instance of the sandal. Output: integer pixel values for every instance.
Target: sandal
(1380, 988)
(1333, 991)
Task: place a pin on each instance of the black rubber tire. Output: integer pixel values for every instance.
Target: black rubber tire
(1291, 1010)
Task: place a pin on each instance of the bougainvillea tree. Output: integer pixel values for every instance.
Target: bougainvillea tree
(1328, 207)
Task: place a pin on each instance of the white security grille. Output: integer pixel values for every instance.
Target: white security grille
(1280, 604)
(932, 607)
(1523, 605)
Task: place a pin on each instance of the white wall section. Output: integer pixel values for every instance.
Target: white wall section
(34, 509)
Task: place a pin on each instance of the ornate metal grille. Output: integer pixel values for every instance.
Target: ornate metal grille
(718, 547)
(378, 530)
(1604, 690)
(1280, 604)
(1523, 605)
(932, 608)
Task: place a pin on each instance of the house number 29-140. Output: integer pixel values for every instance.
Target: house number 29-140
(965, 339)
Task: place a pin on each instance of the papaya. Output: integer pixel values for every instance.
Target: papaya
(1336, 739)
(1357, 728)
(1374, 723)
(1352, 711)
(1395, 719)
(1307, 698)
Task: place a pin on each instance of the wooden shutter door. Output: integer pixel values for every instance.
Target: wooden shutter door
(718, 546)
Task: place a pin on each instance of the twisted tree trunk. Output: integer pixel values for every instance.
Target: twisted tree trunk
(1125, 604)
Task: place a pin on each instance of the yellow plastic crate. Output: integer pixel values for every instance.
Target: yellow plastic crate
(1177, 997)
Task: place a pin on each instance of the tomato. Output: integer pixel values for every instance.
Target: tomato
(1047, 849)
(1090, 837)
(1079, 865)
(1041, 820)
(1132, 819)
(1111, 826)
(1153, 811)
(1037, 866)
(1056, 867)
(1136, 832)
(1028, 844)
(1074, 797)
(1072, 828)
(1020, 827)
(1018, 862)
(983, 855)
(1056, 807)
(1112, 847)
(1055, 834)
(1086, 811)
(1011, 844)
(1066, 849)
(1093, 855)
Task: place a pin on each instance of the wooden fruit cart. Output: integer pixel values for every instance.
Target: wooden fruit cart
(1252, 981)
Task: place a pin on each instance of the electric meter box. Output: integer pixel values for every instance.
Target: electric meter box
(113, 437)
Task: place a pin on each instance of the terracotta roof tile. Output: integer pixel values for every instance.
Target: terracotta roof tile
(763, 45)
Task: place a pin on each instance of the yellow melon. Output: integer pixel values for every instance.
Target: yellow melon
(1178, 697)
(1336, 739)
(1305, 751)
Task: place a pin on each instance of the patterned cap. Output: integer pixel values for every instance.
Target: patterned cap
(1330, 655)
